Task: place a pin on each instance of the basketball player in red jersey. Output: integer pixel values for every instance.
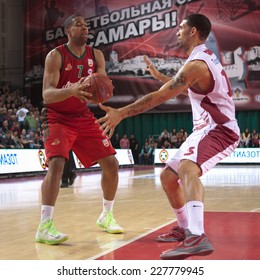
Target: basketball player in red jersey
(69, 124)
(215, 134)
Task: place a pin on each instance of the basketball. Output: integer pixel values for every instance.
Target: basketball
(100, 86)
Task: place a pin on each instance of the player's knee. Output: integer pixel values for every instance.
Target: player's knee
(188, 168)
(56, 165)
(115, 164)
(110, 164)
(169, 180)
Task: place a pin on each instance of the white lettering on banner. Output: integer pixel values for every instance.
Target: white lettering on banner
(116, 34)
(54, 34)
(166, 4)
(115, 17)
(49, 36)
(101, 39)
(143, 25)
(167, 20)
(125, 14)
(94, 22)
(157, 23)
(156, 6)
(182, 2)
(132, 12)
(133, 29)
(145, 8)
(104, 20)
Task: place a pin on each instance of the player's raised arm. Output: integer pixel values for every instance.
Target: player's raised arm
(154, 71)
(186, 76)
(157, 74)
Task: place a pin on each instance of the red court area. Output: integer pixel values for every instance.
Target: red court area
(234, 235)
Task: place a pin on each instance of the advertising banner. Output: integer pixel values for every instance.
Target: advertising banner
(33, 160)
(239, 156)
(125, 31)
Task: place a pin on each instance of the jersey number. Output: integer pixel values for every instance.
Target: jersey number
(190, 151)
(80, 67)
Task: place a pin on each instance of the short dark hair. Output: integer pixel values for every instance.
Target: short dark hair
(201, 23)
(69, 21)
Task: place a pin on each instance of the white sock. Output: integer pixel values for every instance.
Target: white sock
(46, 212)
(108, 205)
(196, 217)
(182, 216)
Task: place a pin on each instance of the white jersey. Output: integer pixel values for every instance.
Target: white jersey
(215, 133)
(215, 106)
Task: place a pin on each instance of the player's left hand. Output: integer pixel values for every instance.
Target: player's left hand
(151, 68)
(110, 120)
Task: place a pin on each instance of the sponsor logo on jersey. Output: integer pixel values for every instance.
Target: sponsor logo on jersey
(105, 142)
(56, 142)
(90, 62)
(68, 67)
(90, 71)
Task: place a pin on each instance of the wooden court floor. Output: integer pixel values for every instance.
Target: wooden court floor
(232, 204)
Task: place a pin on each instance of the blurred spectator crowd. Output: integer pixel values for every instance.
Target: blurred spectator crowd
(20, 127)
(144, 154)
(249, 139)
(20, 121)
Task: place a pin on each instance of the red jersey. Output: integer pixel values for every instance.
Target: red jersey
(73, 68)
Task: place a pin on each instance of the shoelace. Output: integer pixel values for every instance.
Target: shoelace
(176, 231)
(111, 220)
(50, 226)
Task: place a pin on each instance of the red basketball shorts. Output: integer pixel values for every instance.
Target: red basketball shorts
(78, 132)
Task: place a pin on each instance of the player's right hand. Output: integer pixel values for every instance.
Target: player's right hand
(79, 90)
(109, 121)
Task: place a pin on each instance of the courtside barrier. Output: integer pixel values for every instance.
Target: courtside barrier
(14, 161)
(239, 156)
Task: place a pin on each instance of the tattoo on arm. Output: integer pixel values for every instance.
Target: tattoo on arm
(140, 106)
(151, 100)
(179, 80)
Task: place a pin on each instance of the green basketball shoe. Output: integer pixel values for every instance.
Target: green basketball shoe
(48, 234)
(107, 221)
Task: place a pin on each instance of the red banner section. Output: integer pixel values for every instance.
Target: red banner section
(126, 31)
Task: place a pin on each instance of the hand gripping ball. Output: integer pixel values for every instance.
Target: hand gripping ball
(100, 86)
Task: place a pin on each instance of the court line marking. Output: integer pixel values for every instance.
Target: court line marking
(124, 243)
(255, 210)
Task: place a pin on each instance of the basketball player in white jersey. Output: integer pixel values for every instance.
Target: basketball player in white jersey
(214, 137)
